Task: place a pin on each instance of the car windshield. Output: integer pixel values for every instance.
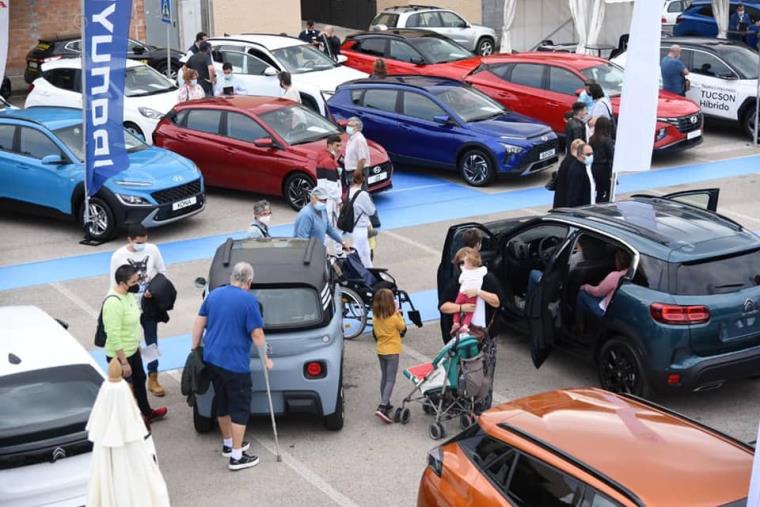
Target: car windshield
(438, 50)
(142, 81)
(42, 404)
(303, 58)
(743, 59)
(72, 138)
(608, 75)
(298, 125)
(470, 105)
(289, 308)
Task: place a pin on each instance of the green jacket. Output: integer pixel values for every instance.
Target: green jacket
(121, 321)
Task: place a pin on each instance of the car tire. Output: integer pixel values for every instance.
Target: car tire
(353, 304)
(296, 190)
(104, 226)
(133, 129)
(334, 421)
(161, 67)
(486, 46)
(476, 167)
(620, 369)
(748, 122)
(200, 423)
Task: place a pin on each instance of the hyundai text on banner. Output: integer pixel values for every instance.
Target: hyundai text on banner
(638, 104)
(105, 50)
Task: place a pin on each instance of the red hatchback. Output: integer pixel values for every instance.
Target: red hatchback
(261, 144)
(409, 52)
(545, 85)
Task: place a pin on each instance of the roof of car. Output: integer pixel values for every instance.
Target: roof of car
(268, 40)
(277, 261)
(411, 8)
(656, 455)
(401, 33)
(37, 341)
(61, 37)
(76, 63)
(407, 80)
(664, 229)
(703, 42)
(253, 103)
(570, 59)
(52, 117)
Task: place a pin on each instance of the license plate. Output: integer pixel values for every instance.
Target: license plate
(32, 65)
(695, 133)
(377, 177)
(546, 154)
(184, 203)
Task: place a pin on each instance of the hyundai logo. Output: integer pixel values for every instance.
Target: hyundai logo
(178, 179)
(376, 169)
(58, 453)
(749, 306)
(694, 120)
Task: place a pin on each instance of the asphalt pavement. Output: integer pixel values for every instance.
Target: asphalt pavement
(368, 463)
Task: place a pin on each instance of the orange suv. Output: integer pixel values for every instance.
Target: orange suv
(586, 448)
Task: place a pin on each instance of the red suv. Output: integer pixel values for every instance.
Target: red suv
(260, 144)
(545, 85)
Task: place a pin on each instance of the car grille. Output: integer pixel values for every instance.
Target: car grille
(175, 194)
(44, 455)
(166, 212)
(534, 153)
(687, 123)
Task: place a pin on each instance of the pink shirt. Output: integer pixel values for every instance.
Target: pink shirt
(606, 287)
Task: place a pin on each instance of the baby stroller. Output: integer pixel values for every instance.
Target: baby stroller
(450, 385)
(358, 286)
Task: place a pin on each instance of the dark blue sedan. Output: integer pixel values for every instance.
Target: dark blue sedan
(699, 20)
(448, 124)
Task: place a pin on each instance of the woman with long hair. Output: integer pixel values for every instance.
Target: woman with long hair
(190, 90)
(604, 153)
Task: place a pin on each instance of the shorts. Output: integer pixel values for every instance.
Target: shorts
(232, 392)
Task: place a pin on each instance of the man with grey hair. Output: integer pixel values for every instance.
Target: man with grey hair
(262, 214)
(312, 220)
(330, 42)
(357, 152)
(674, 72)
(232, 320)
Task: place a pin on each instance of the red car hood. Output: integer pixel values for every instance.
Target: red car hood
(670, 105)
(377, 154)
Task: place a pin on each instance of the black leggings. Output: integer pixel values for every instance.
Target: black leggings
(138, 382)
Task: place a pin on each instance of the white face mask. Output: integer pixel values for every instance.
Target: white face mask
(350, 130)
(265, 219)
(138, 247)
(194, 82)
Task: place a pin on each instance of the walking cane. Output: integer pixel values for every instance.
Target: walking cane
(271, 409)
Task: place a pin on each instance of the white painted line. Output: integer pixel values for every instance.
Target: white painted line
(89, 310)
(403, 239)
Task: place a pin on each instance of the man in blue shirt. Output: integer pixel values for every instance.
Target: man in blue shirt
(312, 221)
(232, 319)
(674, 72)
(740, 24)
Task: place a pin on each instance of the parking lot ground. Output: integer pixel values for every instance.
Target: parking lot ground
(368, 463)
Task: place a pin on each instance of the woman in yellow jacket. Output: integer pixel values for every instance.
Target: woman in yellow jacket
(389, 327)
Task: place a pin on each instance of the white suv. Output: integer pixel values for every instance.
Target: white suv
(479, 39)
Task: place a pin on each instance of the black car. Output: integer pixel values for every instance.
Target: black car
(5, 89)
(54, 48)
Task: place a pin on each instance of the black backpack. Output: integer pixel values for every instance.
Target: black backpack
(346, 221)
(100, 332)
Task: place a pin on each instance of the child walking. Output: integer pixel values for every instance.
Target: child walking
(389, 327)
(470, 281)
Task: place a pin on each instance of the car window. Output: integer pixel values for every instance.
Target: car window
(65, 79)
(386, 18)
(402, 51)
(414, 20)
(720, 275)
(244, 64)
(204, 120)
(356, 96)
(303, 58)
(563, 81)
(75, 45)
(470, 104)
(374, 46)
(6, 137)
(289, 308)
(298, 124)
(244, 128)
(502, 70)
(609, 77)
(528, 75)
(675, 7)
(440, 49)
(36, 144)
(430, 20)
(595, 499)
(420, 107)
(384, 100)
(708, 65)
(263, 57)
(706, 11)
(742, 58)
(72, 136)
(536, 483)
(143, 81)
(651, 273)
(451, 20)
(134, 45)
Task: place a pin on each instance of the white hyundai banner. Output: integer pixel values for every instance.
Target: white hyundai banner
(4, 14)
(641, 83)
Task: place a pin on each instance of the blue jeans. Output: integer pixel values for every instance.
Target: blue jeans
(533, 278)
(587, 303)
(150, 331)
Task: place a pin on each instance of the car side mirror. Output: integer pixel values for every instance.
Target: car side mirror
(728, 75)
(443, 119)
(52, 160)
(270, 71)
(464, 24)
(139, 50)
(200, 283)
(264, 142)
(342, 59)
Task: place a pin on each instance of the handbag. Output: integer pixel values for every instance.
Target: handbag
(374, 219)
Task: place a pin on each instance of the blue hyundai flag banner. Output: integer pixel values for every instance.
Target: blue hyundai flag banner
(106, 32)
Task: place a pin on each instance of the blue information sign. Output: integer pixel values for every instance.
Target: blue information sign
(166, 11)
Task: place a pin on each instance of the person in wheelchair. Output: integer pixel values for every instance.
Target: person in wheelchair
(594, 299)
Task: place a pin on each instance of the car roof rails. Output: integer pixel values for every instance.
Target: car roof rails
(227, 252)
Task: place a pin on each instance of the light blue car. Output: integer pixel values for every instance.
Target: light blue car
(302, 307)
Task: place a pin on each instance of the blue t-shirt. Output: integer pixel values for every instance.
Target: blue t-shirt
(672, 74)
(233, 313)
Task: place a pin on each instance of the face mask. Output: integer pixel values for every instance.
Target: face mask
(138, 247)
(265, 219)
(228, 77)
(589, 160)
(350, 130)
(194, 82)
(320, 206)
(134, 289)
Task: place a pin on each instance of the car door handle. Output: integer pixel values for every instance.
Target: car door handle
(229, 149)
(182, 137)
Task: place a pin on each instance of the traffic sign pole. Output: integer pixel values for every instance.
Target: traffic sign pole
(166, 17)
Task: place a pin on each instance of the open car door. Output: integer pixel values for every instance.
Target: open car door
(545, 306)
(704, 198)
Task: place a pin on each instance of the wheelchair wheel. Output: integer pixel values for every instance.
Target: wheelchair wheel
(354, 314)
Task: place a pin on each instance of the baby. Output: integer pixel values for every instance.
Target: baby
(471, 279)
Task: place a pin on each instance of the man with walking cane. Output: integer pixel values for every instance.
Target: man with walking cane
(232, 319)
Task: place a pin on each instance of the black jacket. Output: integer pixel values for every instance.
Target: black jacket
(574, 129)
(331, 45)
(604, 154)
(163, 296)
(560, 188)
(195, 376)
(577, 184)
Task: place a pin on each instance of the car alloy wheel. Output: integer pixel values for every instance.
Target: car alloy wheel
(485, 47)
(297, 190)
(476, 168)
(101, 225)
(749, 122)
(620, 370)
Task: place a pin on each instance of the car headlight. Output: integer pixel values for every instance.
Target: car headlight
(661, 134)
(512, 149)
(150, 113)
(133, 200)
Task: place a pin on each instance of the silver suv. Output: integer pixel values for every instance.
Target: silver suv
(479, 39)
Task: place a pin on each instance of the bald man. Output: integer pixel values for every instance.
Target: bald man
(330, 42)
(674, 72)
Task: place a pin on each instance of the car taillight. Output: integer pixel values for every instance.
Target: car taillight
(679, 314)
(664, 20)
(51, 59)
(315, 369)
(674, 379)
(435, 460)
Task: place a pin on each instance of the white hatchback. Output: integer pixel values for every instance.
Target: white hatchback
(148, 94)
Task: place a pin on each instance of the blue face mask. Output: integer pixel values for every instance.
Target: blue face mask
(138, 247)
(589, 160)
(320, 206)
(350, 130)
